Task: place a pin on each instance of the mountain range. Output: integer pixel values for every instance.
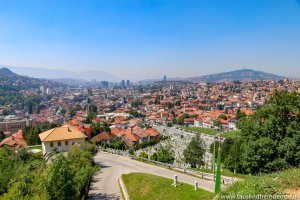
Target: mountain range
(241, 75)
(61, 74)
(74, 78)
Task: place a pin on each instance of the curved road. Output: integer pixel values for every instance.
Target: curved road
(105, 184)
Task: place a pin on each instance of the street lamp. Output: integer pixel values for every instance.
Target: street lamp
(235, 157)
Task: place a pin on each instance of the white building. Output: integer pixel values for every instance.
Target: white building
(61, 138)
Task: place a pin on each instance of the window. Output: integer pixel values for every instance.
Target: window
(59, 144)
(51, 144)
(66, 143)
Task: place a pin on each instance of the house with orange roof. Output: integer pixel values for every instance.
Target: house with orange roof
(103, 138)
(61, 138)
(15, 140)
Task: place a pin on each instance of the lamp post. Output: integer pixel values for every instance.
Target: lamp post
(235, 157)
(214, 155)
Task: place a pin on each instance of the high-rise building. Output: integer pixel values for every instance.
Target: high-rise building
(42, 89)
(165, 78)
(123, 84)
(104, 84)
(128, 83)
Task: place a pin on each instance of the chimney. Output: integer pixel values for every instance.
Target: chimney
(69, 128)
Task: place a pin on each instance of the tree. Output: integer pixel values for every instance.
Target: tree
(240, 114)
(180, 120)
(136, 103)
(32, 136)
(2, 136)
(153, 156)
(165, 155)
(143, 154)
(223, 117)
(177, 103)
(59, 180)
(194, 152)
(90, 117)
(72, 112)
(169, 124)
(218, 124)
(270, 138)
(92, 108)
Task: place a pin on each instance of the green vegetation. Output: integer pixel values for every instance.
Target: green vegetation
(26, 176)
(148, 187)
(225, 172)
(99, 127)
(209, 131)
(32, 136)
(14, 164)
(143, 155)
(165, 155)
(194, 152)
(230, 134)
(270, 138)
(136, 103)
(115, 143)
(276, 183)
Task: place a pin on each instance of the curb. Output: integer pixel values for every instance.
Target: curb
(123, 188)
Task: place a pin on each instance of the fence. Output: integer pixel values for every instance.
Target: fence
(204, 175)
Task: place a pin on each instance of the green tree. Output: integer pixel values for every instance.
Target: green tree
(271, 137)
(218, 124)
(2, 136)
(99, 127)
(59, 180)
(165, 155)
(153, 156)
(32, 137)
(194, 152)
(223, 117)
(143, 154)
(240, 114)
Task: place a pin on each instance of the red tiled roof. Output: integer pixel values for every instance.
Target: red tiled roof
(102, 136)
(14, 140)
(152, 132)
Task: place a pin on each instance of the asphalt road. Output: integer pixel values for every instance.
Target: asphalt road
(105, 184)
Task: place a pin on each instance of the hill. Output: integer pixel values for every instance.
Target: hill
(12, 83)
(61, 74)
(6, 72)
(241, 75)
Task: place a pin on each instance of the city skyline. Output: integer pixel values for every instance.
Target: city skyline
(141, 39)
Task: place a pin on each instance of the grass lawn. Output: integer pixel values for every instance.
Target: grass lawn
(230, 134)
(209, 131)
(146, 187)
(285, 182)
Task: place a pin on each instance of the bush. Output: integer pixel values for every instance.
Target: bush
(143, 155)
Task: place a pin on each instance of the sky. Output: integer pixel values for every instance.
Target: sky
(141, 39)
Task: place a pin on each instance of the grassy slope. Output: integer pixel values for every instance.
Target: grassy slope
(146, 187)
(208, 131)
(276, 183)
(230, 134)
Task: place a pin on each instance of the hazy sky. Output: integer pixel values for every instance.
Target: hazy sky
(145, 39)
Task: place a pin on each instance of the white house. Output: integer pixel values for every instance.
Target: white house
(61, 138)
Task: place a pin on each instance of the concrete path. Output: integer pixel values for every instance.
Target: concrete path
(105, 183)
